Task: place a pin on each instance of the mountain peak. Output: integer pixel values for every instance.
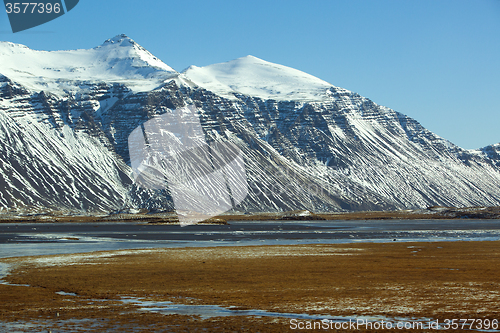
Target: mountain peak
(250, 57)
(121, 40)
(119, 59)
(252, 76)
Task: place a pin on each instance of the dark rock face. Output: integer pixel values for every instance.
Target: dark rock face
(346, 153)
(492, 152)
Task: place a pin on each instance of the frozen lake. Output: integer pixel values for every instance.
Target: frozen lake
(24, 239)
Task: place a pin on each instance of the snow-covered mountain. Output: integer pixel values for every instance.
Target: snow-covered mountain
(119, 60)
(65, 119)
(254, 77)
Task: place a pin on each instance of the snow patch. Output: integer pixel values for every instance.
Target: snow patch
(258, 78)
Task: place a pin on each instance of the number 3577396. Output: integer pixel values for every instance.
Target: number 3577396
(32, 8)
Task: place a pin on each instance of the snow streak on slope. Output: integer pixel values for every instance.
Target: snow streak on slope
(350, 153)
(252, 76)
(118, 60)
(46, 163)
(306, 144)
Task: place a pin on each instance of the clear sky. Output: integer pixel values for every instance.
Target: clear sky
(437, 61)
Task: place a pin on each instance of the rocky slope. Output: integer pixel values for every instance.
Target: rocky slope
(66, 116)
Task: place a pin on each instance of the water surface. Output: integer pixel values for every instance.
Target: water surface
(24, 239)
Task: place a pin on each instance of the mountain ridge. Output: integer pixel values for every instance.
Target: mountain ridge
(259, 78)
(179, 77)
(118, 60)
(333, 150)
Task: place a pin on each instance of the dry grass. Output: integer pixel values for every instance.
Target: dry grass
(433, 280)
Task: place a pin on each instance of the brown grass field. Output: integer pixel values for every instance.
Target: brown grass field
(441, 280)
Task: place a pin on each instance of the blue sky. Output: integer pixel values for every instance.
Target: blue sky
(437, 61)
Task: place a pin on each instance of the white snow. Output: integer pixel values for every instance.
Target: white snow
(390, 157)
(258, 78)
(121, 60)
(118, 60)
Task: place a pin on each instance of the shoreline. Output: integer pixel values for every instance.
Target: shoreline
(415, 280)
(170, 218)
(21, 239)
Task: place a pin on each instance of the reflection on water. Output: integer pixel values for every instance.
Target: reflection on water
(360, 322)
(211, 311)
